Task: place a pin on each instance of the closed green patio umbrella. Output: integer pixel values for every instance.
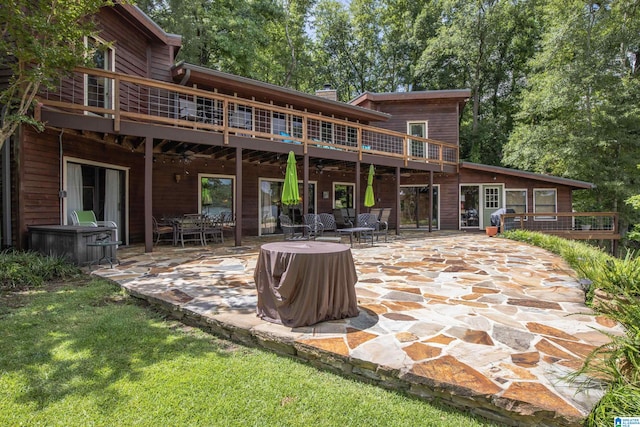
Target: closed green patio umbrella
(290, 193)
(369, 199)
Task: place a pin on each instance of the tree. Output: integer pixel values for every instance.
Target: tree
(483, 46)
(260, 39)
(39, 42)
(580, 114)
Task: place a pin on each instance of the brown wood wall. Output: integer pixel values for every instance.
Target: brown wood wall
(136, 54)
(564, 193)
(40, 183)
(442, 118)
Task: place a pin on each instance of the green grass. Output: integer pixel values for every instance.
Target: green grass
(83, 353)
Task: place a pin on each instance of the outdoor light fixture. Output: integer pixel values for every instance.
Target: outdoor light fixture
(177, 177)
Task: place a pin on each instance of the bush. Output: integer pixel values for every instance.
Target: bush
(28, 269)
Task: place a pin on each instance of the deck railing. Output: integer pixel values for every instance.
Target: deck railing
(573, 225)
(124, 97)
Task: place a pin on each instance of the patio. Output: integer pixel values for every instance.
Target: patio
(484, 324)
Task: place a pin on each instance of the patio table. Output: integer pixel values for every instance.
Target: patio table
(303, 283)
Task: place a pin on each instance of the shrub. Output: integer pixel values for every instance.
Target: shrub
(20, 269)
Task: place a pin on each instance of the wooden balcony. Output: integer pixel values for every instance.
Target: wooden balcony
(570, 225)
(121, 97)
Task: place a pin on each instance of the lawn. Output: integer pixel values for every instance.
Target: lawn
(83, 353)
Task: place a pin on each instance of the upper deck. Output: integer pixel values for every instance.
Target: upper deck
(102, 101)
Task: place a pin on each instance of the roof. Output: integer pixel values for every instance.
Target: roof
(147, 25)
(462, 95)
(575, 184)
(266, 92)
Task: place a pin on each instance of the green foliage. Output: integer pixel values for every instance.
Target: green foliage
(622, 400)
(86, 355)
(28, 269)
(483, 46)
(580, 114)
(39, 42)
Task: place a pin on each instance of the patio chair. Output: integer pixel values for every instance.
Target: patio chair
(228, 221)
(376, 211)
(367, 220)
(383, 223)
(341, 218)
(212, 226)
(88, 219)
(163, 229)
(190, 229)
(378, 227)
(328, 222)
(315, 225)
(293, 231)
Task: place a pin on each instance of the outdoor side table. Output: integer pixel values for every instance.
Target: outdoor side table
(105, 244)
(303, 283)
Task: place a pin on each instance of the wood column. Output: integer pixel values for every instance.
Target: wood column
(305, 185)
(430, 200)
(148, 194)
(238, 200)
(356, 197)
(397, 200)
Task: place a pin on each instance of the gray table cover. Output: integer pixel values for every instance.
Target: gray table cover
(303, 283)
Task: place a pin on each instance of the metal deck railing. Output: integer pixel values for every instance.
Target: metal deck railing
(124, 97)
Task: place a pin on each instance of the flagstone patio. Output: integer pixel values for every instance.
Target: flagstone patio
(484, 324)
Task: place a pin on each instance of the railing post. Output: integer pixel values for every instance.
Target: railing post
(116, 97)
(225, 121)
(405, 149)
(360, 142)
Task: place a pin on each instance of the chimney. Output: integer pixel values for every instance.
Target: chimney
(327, 93)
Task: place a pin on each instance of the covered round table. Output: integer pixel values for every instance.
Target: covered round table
(303, 283)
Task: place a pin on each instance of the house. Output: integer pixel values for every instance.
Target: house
(141, 136)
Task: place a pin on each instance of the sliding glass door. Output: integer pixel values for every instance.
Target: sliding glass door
(414, 207)
(271, 208)
(97, 187)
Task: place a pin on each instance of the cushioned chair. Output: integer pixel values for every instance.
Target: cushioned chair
(88, 219)
(162, 229)
(341, 218)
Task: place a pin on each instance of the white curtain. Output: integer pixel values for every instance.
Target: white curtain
(112, 196)
(74, 189)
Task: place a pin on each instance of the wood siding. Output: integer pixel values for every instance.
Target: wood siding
(135, 53)
(564, 193)
(442, 117)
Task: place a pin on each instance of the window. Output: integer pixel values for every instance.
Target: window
(492, 198)
(278, 123)
(241, 116)
(296, 126)
(516, 200)
(98, 91)
(417, 148)
(216, 194)
(343, 195)
(327, 131)
(545, 201)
